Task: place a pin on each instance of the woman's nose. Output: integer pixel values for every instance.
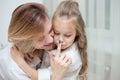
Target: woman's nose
(50, 39)
(52, 33)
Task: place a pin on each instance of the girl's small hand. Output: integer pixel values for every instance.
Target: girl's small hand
(59, 64)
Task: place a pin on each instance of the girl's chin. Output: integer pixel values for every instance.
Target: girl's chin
(63, 48)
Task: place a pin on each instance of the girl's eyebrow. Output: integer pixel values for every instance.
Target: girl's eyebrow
(68, 32)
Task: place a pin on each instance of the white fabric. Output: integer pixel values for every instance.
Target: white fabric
(43, 74)
(9, 70)
(75, 67)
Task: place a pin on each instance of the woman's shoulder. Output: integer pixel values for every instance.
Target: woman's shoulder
(6, 61)
(5, 56)
(4, 53)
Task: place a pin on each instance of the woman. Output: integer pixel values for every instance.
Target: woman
(30, 32)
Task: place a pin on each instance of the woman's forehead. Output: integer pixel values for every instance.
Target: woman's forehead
(47, 26)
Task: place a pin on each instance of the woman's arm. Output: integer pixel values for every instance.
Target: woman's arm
(31, 72)
(19, 59)
(59, 65)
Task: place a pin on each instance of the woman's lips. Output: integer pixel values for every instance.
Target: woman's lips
(48, 44)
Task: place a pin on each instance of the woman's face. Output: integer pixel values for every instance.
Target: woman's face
(46, 41)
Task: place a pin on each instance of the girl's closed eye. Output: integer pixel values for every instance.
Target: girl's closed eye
(66, 35)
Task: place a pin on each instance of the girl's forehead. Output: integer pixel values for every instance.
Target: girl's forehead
(64, 20)
(64, 26)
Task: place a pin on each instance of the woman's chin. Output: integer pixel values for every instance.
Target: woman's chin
(48, 47)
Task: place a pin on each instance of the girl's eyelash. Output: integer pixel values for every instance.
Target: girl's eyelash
(67, 35)
(56, 33)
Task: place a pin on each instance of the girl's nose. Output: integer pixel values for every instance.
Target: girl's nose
(60, 39)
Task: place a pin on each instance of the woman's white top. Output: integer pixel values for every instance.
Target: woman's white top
(76, 65)
(9, 70)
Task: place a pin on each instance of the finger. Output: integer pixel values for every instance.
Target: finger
(58, 50)
(30, 55)
(62, 57)
(69, 62)
(15, 47)
(27, 57)
(16, 51)
(66, 59)
(51, 56)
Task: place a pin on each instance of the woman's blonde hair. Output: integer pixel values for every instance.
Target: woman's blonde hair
(70, 10)
(27, 22)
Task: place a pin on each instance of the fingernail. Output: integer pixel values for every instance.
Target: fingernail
(59, 41)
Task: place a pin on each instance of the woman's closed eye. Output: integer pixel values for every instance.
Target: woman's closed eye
(56, 33)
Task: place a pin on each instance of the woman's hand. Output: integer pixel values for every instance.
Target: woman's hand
(59, 64)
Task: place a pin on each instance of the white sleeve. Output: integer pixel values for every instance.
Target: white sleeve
(14, 75)
(44, 74)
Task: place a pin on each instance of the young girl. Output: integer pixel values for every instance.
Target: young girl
(68, 27)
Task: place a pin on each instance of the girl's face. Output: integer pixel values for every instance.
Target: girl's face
(65, 31)
(45, 41)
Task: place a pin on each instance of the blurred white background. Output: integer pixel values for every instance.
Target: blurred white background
(102, 18)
